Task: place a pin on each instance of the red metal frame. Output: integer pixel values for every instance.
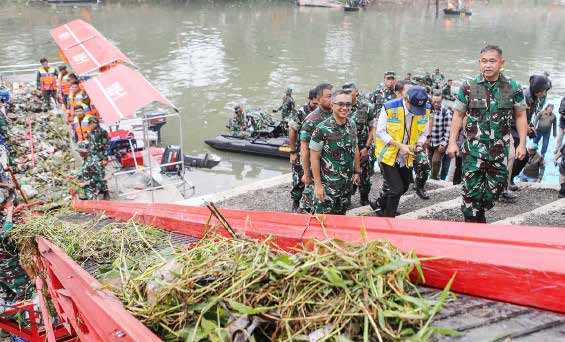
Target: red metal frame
(86, 310)
(521, 265)
(36, 332)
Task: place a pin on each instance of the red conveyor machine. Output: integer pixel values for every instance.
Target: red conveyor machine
(516, 264)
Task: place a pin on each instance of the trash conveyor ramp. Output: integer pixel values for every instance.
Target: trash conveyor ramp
(507, 264)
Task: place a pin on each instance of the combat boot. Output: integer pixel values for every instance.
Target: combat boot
(508, 197)
(420, 191)
(481, 217)
(376, 204)
(562, 191)
(364, 199)
(295, 206)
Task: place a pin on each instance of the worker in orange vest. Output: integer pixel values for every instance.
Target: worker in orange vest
(64, 86)
(81, 122)
(73, 90)
(47, 82)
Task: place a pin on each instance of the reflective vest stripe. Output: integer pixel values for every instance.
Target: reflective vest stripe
(395, 127)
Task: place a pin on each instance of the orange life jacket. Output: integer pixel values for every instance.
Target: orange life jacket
(47, 78)
(65, 85)
(81, 127)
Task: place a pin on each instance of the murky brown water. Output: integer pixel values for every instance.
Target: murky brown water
(207, 56)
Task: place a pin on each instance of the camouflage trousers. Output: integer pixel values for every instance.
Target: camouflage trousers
(91, 192)
(334, 203)
(483, 182)
(421, 167)
(297, 185)
(367, 170)
(307, 199)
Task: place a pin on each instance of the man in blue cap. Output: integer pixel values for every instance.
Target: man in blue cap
(402, 128)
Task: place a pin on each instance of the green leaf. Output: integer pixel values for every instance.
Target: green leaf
(393, 266)
(446, 331)
(208, 327)
(403, 315)
(247, 310)
(334, 277)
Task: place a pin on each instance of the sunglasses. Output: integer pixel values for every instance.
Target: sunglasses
(343, 104)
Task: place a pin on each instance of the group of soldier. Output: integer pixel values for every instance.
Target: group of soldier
(338, 136)
(61, 87)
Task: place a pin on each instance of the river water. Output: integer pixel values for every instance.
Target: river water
(207, 56)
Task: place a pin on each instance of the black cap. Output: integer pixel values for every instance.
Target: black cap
(390, 74)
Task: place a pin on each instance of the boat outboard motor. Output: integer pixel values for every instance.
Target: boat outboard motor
(172, 154)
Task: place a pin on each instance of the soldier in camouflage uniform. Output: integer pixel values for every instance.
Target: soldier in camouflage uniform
(294, 125)
(287, 108)
(7, 196)
(323, 112)
(91, 175)
(364, 116)
(437, 79)
(384, 93)
(238, 123)
(98, 139)
(488, 102)
(334, 157)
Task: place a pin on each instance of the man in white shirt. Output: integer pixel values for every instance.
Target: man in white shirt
(403, 126)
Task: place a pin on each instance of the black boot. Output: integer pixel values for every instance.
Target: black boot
(562, 191)
(364, 199)
(376, 204)
(420, 191)
(471, 219)
(390, 206)
(481, 217)
(295, 206)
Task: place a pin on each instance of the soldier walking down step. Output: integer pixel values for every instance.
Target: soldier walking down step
(323, 112)
(364, 116)
(488, 103)
(334, 158)
(294, 126)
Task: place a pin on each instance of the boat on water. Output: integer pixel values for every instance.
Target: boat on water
(351, 8)
(268, 147)
(450, 11)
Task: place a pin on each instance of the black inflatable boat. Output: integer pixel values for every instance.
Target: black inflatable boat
(207, 161)
(269, 147)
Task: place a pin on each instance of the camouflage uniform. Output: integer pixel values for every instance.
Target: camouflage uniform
(337, 144)
(308, 127)
(380, 96)
(437, 80)
(363, 116)
(99, 141)
(259, 121)
(421, 168)
(93, 172)
(14, 283)
(295, 123)
(287, 107)
(489, 107)
(238, 126)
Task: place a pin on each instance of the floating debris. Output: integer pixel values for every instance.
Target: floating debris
(39, 145)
